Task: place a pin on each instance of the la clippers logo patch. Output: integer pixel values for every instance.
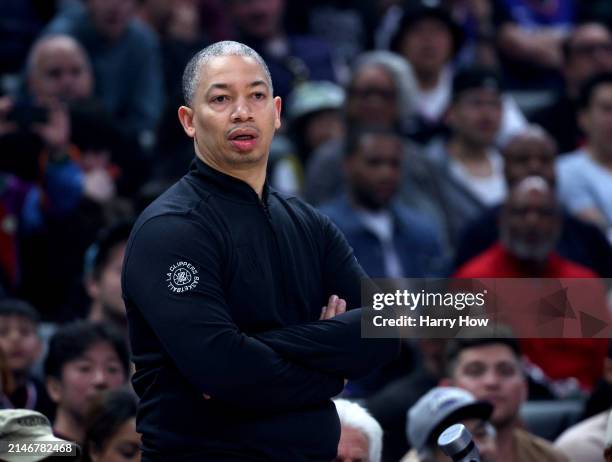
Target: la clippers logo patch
(182, 276)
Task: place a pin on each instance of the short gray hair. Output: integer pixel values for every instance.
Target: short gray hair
(61, 39)
(402, 74)
(357, 417)
(191, 75)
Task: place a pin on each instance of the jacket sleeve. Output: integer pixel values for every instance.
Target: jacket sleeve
(333, 346)
(342, 276)
(193, 324)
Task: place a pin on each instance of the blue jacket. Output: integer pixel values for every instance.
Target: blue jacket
(415, 239)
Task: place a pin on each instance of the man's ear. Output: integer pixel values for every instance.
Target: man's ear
(54, 389)
(445, 382)
(91, 287)
(185, 115)
(278, 104)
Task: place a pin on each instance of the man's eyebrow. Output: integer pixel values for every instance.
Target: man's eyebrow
(225, 86)
(217, 86)
(257, 83)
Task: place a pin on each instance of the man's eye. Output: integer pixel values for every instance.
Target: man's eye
(219, 99)
(259, 95)
(474, 370)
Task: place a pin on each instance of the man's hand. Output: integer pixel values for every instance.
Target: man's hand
(335, 306)
(56, 132)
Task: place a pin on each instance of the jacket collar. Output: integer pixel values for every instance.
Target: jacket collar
(226, 185)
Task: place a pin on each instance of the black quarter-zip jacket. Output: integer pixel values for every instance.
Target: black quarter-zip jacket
(223, 293)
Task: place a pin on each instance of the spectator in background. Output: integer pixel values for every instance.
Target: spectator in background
(291, 58)
(429, 38)
(388, 238)
(530, 225)
(125, 58)
(529, 37)
(490, 369)
(42, 180)
(469, 164)
(390, 405)
(585, 441)
(437, 410)
(532, 152)
(360, 434)
(23, 428)
(22, 346)
(83, 360)
(380, 94)
(314, 118)
(86, 164)
(346, 26)
(586, 51)
(110, 430)
(585, 175)
(103, 263)
(59, 73)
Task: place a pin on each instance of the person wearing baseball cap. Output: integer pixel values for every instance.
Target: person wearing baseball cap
(437, 410)
(26, 436)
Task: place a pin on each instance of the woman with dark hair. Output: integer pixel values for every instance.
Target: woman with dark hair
(111, 429)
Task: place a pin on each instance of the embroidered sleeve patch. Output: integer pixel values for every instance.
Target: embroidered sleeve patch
(181, 277)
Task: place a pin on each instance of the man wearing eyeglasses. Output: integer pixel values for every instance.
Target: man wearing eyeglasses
(586, 51)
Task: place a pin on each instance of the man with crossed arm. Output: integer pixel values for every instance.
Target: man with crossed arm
(224, 279)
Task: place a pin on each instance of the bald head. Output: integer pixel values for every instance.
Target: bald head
(59, 70)
(529, 153)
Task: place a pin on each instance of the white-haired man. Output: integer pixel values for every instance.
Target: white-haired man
(360, 436)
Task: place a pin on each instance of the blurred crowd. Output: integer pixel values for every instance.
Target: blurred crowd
(445, 138)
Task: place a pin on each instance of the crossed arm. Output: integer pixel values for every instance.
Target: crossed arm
(292, 367)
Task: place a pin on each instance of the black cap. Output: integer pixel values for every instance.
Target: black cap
(416, 10)
(475, 77)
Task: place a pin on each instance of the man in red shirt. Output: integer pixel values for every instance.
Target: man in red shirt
(530, 224)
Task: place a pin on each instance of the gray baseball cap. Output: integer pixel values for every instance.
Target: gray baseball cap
(26, 436)
(439, 408)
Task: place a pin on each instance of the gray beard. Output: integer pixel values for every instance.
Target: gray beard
(524, 251)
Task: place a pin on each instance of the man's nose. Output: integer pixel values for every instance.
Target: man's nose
(490, 379)
(100, 379)
(242, 112)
